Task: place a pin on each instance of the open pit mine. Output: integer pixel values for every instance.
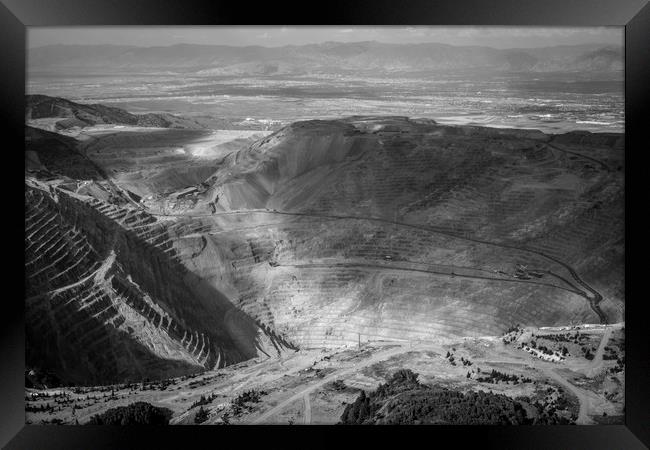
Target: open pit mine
(304, 264)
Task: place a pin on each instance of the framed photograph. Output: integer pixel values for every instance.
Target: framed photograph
(241, 224)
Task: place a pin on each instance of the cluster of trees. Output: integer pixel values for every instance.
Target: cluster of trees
(201, 415)
(620, 360)
(544, 349)
(403, 400)
(547, 406)
(154, 385)
(577, 338)
(138, 413)
(358, 412)
(54, 421)
(587, 353)
(495, 376)
(609, 354)
(620, 365)
(204, 400)
(514, 329)
(561, 402)
(563, 351)
(43, 407)
(559, 337)
(362, 409)
(49, 408)
(241, 402)
(338, 385)
(251, 396)
(512, 334)
(450, 357)
(60, 398)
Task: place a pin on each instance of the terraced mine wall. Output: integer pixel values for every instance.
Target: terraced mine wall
(107, 304)
(331, 284)
(414, 230)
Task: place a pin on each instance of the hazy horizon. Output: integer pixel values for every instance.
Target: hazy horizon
(319, 43)
(277, 36)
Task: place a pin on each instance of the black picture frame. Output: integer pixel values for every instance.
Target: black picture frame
(634, 15)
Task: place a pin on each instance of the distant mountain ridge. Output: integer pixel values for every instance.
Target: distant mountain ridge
(327, 57)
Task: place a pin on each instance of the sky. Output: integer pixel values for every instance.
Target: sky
(497, 37)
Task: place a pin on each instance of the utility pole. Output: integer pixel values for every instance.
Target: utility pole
(359, 334)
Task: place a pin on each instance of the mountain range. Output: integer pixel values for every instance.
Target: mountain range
(328, 57)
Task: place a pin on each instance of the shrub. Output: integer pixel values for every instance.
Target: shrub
(404, 375)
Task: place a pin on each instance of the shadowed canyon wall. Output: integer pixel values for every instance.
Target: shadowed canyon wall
(105, 303)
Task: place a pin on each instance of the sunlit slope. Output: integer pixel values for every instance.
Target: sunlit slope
(262, 174)
(397, 228)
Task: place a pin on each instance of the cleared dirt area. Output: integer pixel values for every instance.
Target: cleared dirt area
(314, 386)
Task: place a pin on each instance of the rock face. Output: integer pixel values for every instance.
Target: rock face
(79, 115)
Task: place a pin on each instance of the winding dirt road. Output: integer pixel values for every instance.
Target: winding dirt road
(307, 410)
(589, 158)
(584, 397)
(451, 273)
(591, 295)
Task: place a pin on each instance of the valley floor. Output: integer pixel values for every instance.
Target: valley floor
(313, 386)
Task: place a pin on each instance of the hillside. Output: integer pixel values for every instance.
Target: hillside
(54, 153)
(71, 114)
(404, 400)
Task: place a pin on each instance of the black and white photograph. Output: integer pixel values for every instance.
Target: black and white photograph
(321, 225)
